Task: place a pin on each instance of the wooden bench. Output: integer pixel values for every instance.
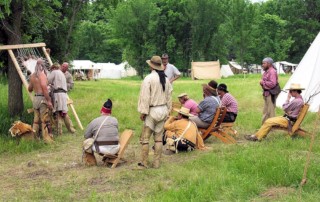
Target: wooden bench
(115, 159)
(227, 127)
(296, 130)
(215, 128)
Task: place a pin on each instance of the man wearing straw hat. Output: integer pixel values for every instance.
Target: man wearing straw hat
(188, 103)
(181, 133)
(291, 109)
(154, 106)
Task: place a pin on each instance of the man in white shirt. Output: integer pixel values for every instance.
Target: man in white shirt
(170, 70)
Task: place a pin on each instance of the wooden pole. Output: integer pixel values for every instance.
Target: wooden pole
(18, 46)
(75, 113)
(47, 55)
(23, 79)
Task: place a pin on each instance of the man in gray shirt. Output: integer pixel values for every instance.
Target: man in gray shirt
(170, 70)
(105, 131)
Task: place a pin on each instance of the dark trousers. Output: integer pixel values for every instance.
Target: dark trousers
(230, 117)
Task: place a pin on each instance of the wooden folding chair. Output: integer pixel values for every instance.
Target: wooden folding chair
(215, 128)
(124, 141)
(296, 126)
(227, 127)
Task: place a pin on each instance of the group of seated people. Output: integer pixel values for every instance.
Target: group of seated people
(181, 131)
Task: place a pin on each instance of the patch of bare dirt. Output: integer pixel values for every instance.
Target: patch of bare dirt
(277, 192)
(38, 173)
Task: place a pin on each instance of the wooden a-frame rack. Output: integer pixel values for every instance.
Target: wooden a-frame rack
(9, 48)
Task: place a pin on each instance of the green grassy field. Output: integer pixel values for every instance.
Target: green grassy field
(248, 171)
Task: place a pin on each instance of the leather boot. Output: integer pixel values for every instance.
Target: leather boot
(46, 135)
(145, 155)
(157, 154)
(59, 123)
(36, 129)
(68, 123)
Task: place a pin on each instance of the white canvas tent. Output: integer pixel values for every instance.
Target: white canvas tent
(82, 64)
(205, 70)
(307, 74)
(282, 65)
(225, 71)
(114, 71)
(235, 67)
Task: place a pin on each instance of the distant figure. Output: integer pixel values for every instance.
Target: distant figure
(105, 131)
(170, 70)
(228, 101)
(291, 110)
(41, 102)
(269, 81)
(188, 103)
(154, 107)
(64, 69)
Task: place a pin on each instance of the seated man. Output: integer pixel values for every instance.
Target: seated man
(291, 109)
(188, 103)
(207, 107)
(181, 133)
(228, 101)
(104, 131)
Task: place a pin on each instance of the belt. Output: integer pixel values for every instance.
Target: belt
(38, 94)
(59, 90)
(290, 118)
(157, 105)
(101, 143)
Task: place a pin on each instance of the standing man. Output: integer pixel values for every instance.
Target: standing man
(228, 101)
(64, 69)
(269, 81)
(41, 102)
(170, 70)
(58, 84)
(154, 106)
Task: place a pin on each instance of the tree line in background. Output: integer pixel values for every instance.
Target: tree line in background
(134, 30)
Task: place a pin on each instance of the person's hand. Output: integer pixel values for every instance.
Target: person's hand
(143, 117)
(50, 106)
(261, 82)
(289, 96)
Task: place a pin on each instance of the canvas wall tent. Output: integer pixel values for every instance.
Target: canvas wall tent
(205, 70)
(235, 67)
(307, 74)
(284, 67)
(225, 71)
(82, 64)
(113, 71)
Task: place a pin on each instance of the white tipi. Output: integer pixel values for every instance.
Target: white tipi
(308, 75)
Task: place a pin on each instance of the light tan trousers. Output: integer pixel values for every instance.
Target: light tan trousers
(266, 127)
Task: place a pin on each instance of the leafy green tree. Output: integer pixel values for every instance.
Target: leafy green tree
(135, 23)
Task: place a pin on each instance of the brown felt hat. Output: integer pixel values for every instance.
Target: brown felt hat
(155, 63)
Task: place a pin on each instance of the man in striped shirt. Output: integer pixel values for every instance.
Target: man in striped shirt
(228, 101)
(291, 110)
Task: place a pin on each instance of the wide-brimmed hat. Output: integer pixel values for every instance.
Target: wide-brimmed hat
(183, 111)
(295, 86)
(155, 63)
(182, 95)
(209, 90)
(223, 87)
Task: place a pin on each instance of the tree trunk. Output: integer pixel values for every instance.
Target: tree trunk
(12, 26)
